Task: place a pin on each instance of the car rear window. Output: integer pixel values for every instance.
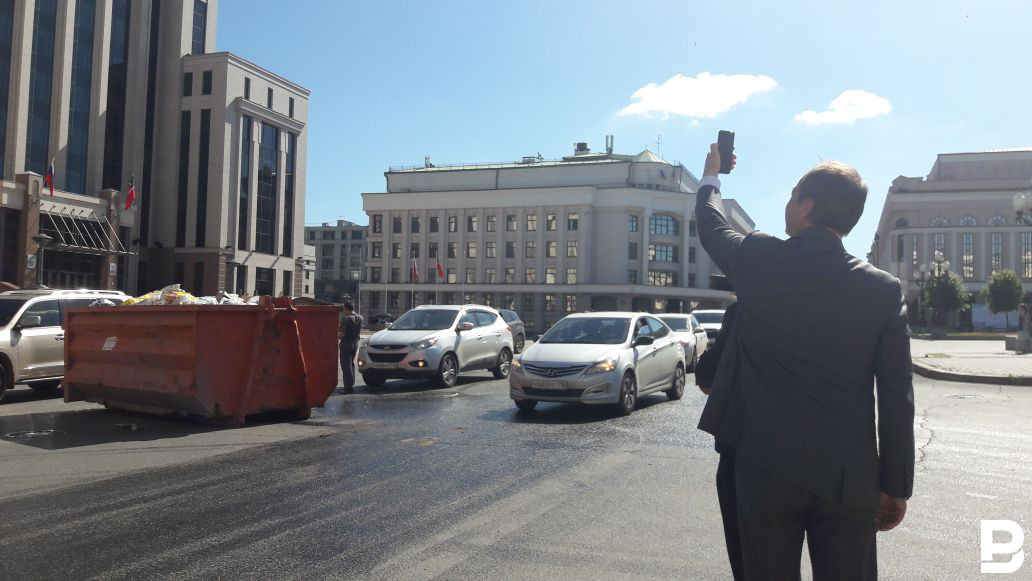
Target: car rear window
(676, 323)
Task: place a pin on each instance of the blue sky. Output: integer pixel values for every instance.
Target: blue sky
(484, 81)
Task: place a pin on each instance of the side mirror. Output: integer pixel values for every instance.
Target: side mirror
(30, 321)
(467, 326)
(641, 341)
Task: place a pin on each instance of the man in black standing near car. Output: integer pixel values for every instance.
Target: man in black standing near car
(794, 390)
(350, 328)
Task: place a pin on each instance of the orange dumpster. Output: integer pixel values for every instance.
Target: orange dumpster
(221, 362)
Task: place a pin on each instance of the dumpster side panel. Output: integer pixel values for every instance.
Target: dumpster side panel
(318, 326)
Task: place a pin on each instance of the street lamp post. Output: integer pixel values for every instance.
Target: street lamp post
(1023, 213)
(938, 267)
(42, 241)
(921, 280)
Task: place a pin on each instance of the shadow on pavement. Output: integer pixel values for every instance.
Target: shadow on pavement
(23, 393)
(566, 413)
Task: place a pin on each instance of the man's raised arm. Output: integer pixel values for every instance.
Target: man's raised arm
(718, 238)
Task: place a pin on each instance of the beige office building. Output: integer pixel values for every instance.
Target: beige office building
(963, 208)
(339, 259)
(590, 231)
(120, 91)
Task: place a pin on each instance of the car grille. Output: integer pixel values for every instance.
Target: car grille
(388, 347)
(386, 357)
(546, 371)
(553, 392)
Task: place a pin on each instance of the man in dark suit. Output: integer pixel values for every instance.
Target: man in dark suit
(794, 393)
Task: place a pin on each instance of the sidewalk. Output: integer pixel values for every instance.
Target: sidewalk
(971, 362)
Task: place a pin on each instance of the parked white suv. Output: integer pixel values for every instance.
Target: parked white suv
(437, 342)
(32, 334)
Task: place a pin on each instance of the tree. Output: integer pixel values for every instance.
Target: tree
(945, 294)
(1003, 293)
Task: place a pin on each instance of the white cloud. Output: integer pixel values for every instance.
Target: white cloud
(847, 108)
(701, 97)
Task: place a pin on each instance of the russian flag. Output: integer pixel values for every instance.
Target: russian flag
(49, 178)
(132, 192)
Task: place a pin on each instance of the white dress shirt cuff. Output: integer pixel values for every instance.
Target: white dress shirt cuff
(710, 181)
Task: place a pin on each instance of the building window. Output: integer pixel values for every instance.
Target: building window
(571, 248)
(356, 252)
(435, 224)
(491, 249)
(1026, 256)
(268, 184)
(692, 228)
(179, 272)
(414, 225)
(551, 249)
(510, 275)
(452, 277)
(510, 249)
(263, 281)
(376, 250)
(6, 40)
(549, 303)
(691, 255)
(432, 250)
(528, 303)
(288, 196)
(268, 99)
(198, 281)
(288, 288)
(200, 30)
(329, 235)
(203, 149)
(393, 301)
(663, 225)
(900, 251)
(184, 176)
(531, 276)
(327, 264)
(632, 251)
(968, 221)
(453, 250)
(245, 183)
(662, 253)
(414, 250)
(396, 250)
(550, 277)
(996, 250)
(79, 103)
(532, 223)
(531, 249)
(915, 257)
(939, 239)
(114, 131)
(510, 223)
(489, 275)
(509, 302)
(492, 223)
(572, 221)
(356, 234)
(471, 249)
(396, 225)
(551, 222)
(571, 303)
(967, 269)
(377, 224)
(395, 275)
(247, 88)
(660, 278)
(453, 223)
(632, 224)
(571, 276)
(997, 220)
(311, 234)
(374, 274)
(940, 222)
(691, 280)
(206, 83)
(471, 223)
(471, 275)
(41, 84)
(374, 301)
(290, 107)
(489, 299)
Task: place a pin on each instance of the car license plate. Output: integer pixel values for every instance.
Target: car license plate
(549, 384)
(384, 365)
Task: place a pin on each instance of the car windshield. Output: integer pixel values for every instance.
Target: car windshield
(425, 320)
(709, 317)
(676, 323)
(589, 330)
(9, 308)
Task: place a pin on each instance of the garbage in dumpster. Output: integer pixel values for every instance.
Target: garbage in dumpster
(102, 303)
(175, 295)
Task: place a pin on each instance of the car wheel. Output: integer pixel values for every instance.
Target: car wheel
(526, 405)
(448, 371)
(518, 343)
(628, 395)
(501, 371)
(676, 391)
(46, 386)
(374, 379)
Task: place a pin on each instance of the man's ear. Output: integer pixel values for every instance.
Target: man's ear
(807, 209)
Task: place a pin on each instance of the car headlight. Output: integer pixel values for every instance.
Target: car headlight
(516, 364)
(605, 366)
(425, 343)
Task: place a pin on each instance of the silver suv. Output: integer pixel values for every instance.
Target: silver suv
(32, 334)
(437, 342)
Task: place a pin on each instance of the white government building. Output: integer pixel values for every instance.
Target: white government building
(591, 231)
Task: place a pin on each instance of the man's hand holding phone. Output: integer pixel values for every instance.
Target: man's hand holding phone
(720, 151)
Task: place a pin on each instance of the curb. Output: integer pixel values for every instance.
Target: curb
(932, 373)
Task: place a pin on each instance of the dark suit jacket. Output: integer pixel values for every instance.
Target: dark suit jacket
(794, 393)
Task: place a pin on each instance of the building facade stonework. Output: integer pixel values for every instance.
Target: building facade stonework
(592, 231)
(340, 251)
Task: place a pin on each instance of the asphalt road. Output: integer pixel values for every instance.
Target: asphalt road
(418, 483)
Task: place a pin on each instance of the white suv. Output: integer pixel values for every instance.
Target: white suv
(437, 342)
(32, 334)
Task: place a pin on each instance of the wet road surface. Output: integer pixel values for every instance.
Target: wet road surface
(418, 483)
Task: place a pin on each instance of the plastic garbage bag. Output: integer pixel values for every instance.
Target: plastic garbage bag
(102, 303)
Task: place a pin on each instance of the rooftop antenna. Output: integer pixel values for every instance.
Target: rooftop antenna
(426, 161)
(659, 143)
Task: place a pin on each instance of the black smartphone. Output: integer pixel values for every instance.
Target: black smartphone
(726, 145)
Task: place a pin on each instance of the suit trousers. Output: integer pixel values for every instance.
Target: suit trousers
(774, 515)
(729, 510)
(347, 366)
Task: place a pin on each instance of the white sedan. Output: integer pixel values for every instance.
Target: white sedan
(693, 337)
(600, 358)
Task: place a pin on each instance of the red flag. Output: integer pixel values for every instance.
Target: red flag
(415, 271)
(48, 179)
(440, 270)
(131, 195)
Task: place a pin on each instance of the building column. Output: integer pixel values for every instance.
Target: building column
(28, 226)
(107, 279)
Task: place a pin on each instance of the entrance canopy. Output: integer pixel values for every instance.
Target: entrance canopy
(79, 230)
